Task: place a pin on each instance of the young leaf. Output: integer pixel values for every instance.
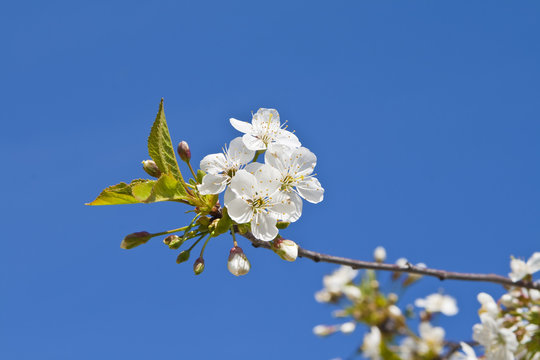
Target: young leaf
(121, 193)
(224, 223)
(160, 147)
(167, 188)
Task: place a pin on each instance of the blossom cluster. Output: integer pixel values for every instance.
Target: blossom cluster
(509, 328)
(262, 194)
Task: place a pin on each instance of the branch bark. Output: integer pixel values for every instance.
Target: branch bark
(409, 268)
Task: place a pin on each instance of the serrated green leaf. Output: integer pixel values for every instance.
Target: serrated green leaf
(167, 188)
(119, 194)
(143, 190)
(160, 146)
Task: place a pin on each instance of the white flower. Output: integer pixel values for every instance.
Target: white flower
(402, 263)
(394, 311)
(499, 343)
(220, 168)
(257, 199)
(489, 306)
(296, 168)
(438, 303)
(467, 354)
(238, 264)
(265, 129)
(337, 284)
(432, 338)
(520, 268)
(371, 347)
(324, 330)
(534, 294)
(347, 327)
(379, 254)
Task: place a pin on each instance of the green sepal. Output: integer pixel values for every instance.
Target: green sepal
(243, 228)
(123, 193)
(282, 225)
(224, 223)
(160, 146)
(200, 175)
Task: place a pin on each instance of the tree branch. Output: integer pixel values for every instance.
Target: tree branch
(409, 268)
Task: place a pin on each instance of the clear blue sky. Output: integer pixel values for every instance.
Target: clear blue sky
(424, 116)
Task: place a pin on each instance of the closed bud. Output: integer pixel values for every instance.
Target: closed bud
(238, 264)
(286, 249)
(379, 254)
(183, 256)
(151, 168)
(198, 266)
(183, 151)
(282, 224)
(174, 241)
(135, 239)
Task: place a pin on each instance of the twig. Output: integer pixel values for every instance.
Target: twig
(408, 268)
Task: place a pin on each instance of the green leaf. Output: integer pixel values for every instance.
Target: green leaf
(167, 188)
(122, 193)
(160, 147)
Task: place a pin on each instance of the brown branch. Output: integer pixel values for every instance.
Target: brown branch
(409, 268)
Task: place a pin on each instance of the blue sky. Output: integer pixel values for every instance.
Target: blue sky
(424, 117)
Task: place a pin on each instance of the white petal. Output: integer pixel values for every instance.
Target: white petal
(244, 184)
(241, 126)
(294, 213)
(239, 153)
(214, 163)
(264, 227)
(266, 117)
(303, 162)
(287, 138)
(267, 180)
(229, 196)
(253, 167)
(240, 211)
(284, 209)
(519, 269)
(534, 263)
(279, 157)
(212, 184)
(253, 143)
(311, 190)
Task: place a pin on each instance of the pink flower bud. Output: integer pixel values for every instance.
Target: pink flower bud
(198, 266)
(151, 168)
(135, 239)
(183, 151)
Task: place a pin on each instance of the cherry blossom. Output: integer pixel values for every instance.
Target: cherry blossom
(499, 343)
(220, 168)
(265, 129)
(520, 268)
(257, 199)
(371, 347)
(438, 303)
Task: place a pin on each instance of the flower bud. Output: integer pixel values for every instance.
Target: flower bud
(183, 151)
(282, 225)
(135, 239)
(174, 241)
(286, 249)
(198, 266)
(347, 327)
(151, 168)
(324, 330)
(238, 263)
(183, 256)
(379, 254)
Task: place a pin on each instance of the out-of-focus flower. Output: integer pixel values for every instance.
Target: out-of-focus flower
(379, 254)
(467, 354)
(265, 129)
(324, 330)
(499, 343)
(337, 284)
(488, 305)
(371, 347)
(431, 341)
(347, 327)
(438, 303)
(520, 268)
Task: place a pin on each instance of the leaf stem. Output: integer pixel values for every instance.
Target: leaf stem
(170, 231)
(259, 152)
(192, 172)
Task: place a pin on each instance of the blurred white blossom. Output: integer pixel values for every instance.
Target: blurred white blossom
(438, 303)
(520, 268)
(371, 347)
